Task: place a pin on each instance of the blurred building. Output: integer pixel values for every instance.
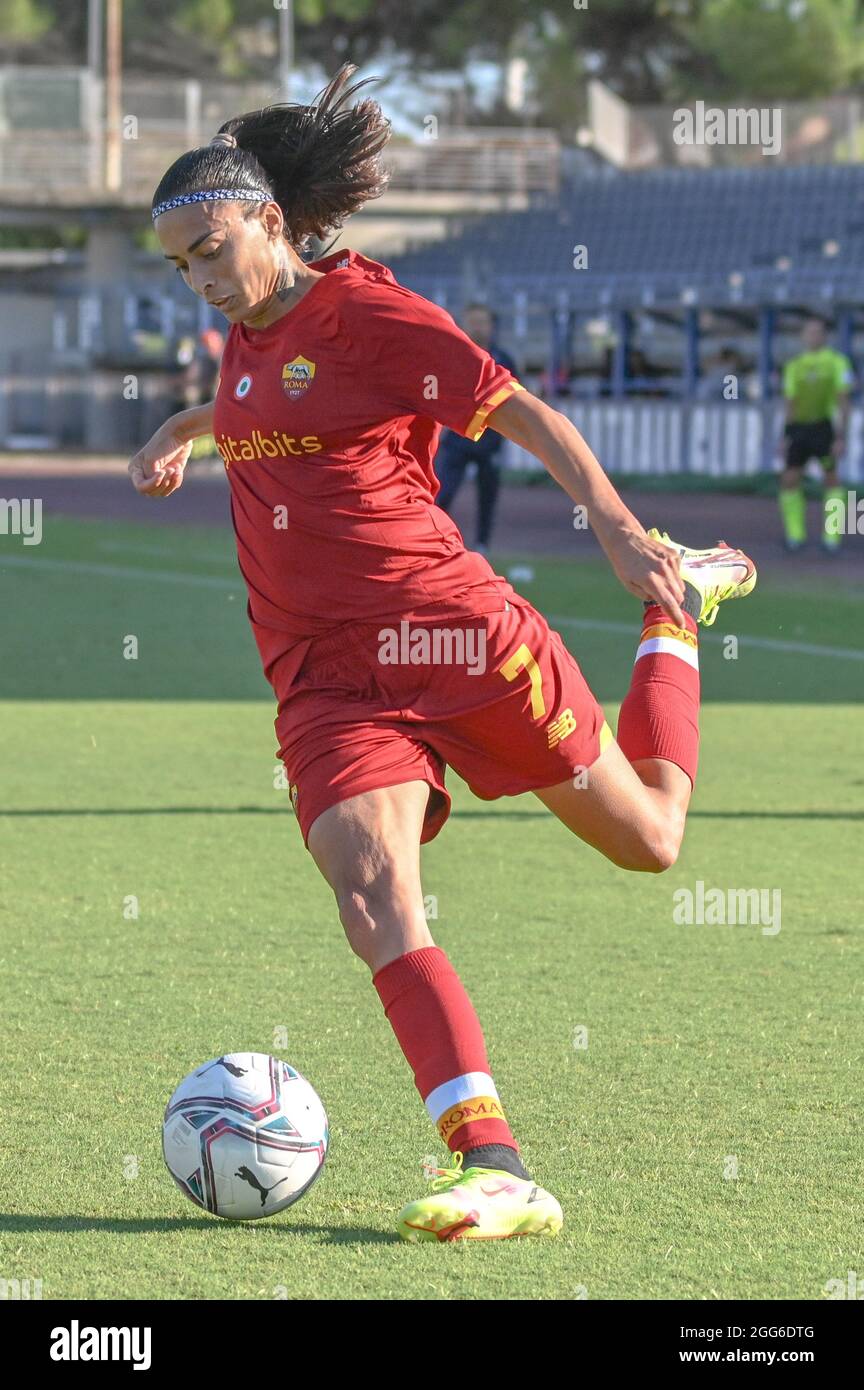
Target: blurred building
(619, 269)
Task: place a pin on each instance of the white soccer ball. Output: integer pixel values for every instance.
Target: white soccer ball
(244, 1136)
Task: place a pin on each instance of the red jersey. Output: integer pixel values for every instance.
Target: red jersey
(328, 421)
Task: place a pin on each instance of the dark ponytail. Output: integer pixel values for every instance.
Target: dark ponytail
(319, 162)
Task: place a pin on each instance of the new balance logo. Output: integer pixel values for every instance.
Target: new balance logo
(561, 727)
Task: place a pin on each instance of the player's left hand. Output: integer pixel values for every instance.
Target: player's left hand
(838, 448)
(650, 570)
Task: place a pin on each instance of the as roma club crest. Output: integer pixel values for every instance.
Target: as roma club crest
(297, 376)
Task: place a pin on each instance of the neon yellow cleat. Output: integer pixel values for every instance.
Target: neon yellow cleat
(480, 1204)
(718, 573)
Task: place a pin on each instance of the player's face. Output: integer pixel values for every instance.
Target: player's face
(478, 326)
(813, 335)
(230, 261)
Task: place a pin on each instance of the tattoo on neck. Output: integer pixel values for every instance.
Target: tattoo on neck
(284, 284)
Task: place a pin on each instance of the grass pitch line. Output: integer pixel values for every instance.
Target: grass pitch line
(212, 581)
(202, 581)
(767, 644)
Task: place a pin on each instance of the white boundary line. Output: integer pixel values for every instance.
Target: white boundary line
(211, 581)
(158, 576)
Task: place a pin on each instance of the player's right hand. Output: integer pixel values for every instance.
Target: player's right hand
(157, 469)
(649, 569)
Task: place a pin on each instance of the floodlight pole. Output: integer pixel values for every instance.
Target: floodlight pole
(92, 118)
(286, 47)
(94, 36)
(113, 79)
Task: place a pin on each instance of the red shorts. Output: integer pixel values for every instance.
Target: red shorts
(496, 696)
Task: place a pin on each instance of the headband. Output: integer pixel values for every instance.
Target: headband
(243, 195)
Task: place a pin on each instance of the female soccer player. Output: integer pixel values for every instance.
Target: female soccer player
(393, 650)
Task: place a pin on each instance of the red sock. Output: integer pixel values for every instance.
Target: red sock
(440, 1034)
(660, 714)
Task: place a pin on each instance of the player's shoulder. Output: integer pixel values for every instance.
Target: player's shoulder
(794, 366)
(834, 363)
(365, 290)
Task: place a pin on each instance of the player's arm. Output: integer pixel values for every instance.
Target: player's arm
(157, 469)
(789, 405)
(845, 381)
(190, 424)
(844, 405)
(789, 389)
(645, 567)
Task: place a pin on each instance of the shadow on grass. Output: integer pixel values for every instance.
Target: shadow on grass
(24, 1224)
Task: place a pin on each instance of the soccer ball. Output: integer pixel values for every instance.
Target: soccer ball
(245, 1136)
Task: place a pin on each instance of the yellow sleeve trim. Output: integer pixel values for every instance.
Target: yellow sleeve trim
(477, 424)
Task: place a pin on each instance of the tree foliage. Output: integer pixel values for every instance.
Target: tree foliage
(646, 50)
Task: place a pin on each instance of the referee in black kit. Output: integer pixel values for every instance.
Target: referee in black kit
(455, 452)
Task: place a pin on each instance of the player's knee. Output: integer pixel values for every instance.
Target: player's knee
(647, 859)
(362, 908)
(644, 856)
(370, 906)
(661, 856)
(659, 846)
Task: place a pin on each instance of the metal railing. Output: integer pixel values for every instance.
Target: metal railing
(52, 140)
(730, 439)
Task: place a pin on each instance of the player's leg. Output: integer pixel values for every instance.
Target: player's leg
(488, 485)
(533, 724)
(833, 506)
(633, 813)
(790, 497)
(368, 849)
(632, 803)
(450, 465)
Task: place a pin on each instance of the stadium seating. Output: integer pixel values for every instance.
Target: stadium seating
(724, 236)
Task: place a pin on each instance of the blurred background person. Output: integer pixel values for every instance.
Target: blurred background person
(723, 378)
(200, 381)
(816, 385)
(455, 452)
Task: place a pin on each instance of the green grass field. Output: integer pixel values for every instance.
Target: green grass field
(710, 1049)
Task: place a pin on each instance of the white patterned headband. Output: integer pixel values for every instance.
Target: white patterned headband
(243, 195)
